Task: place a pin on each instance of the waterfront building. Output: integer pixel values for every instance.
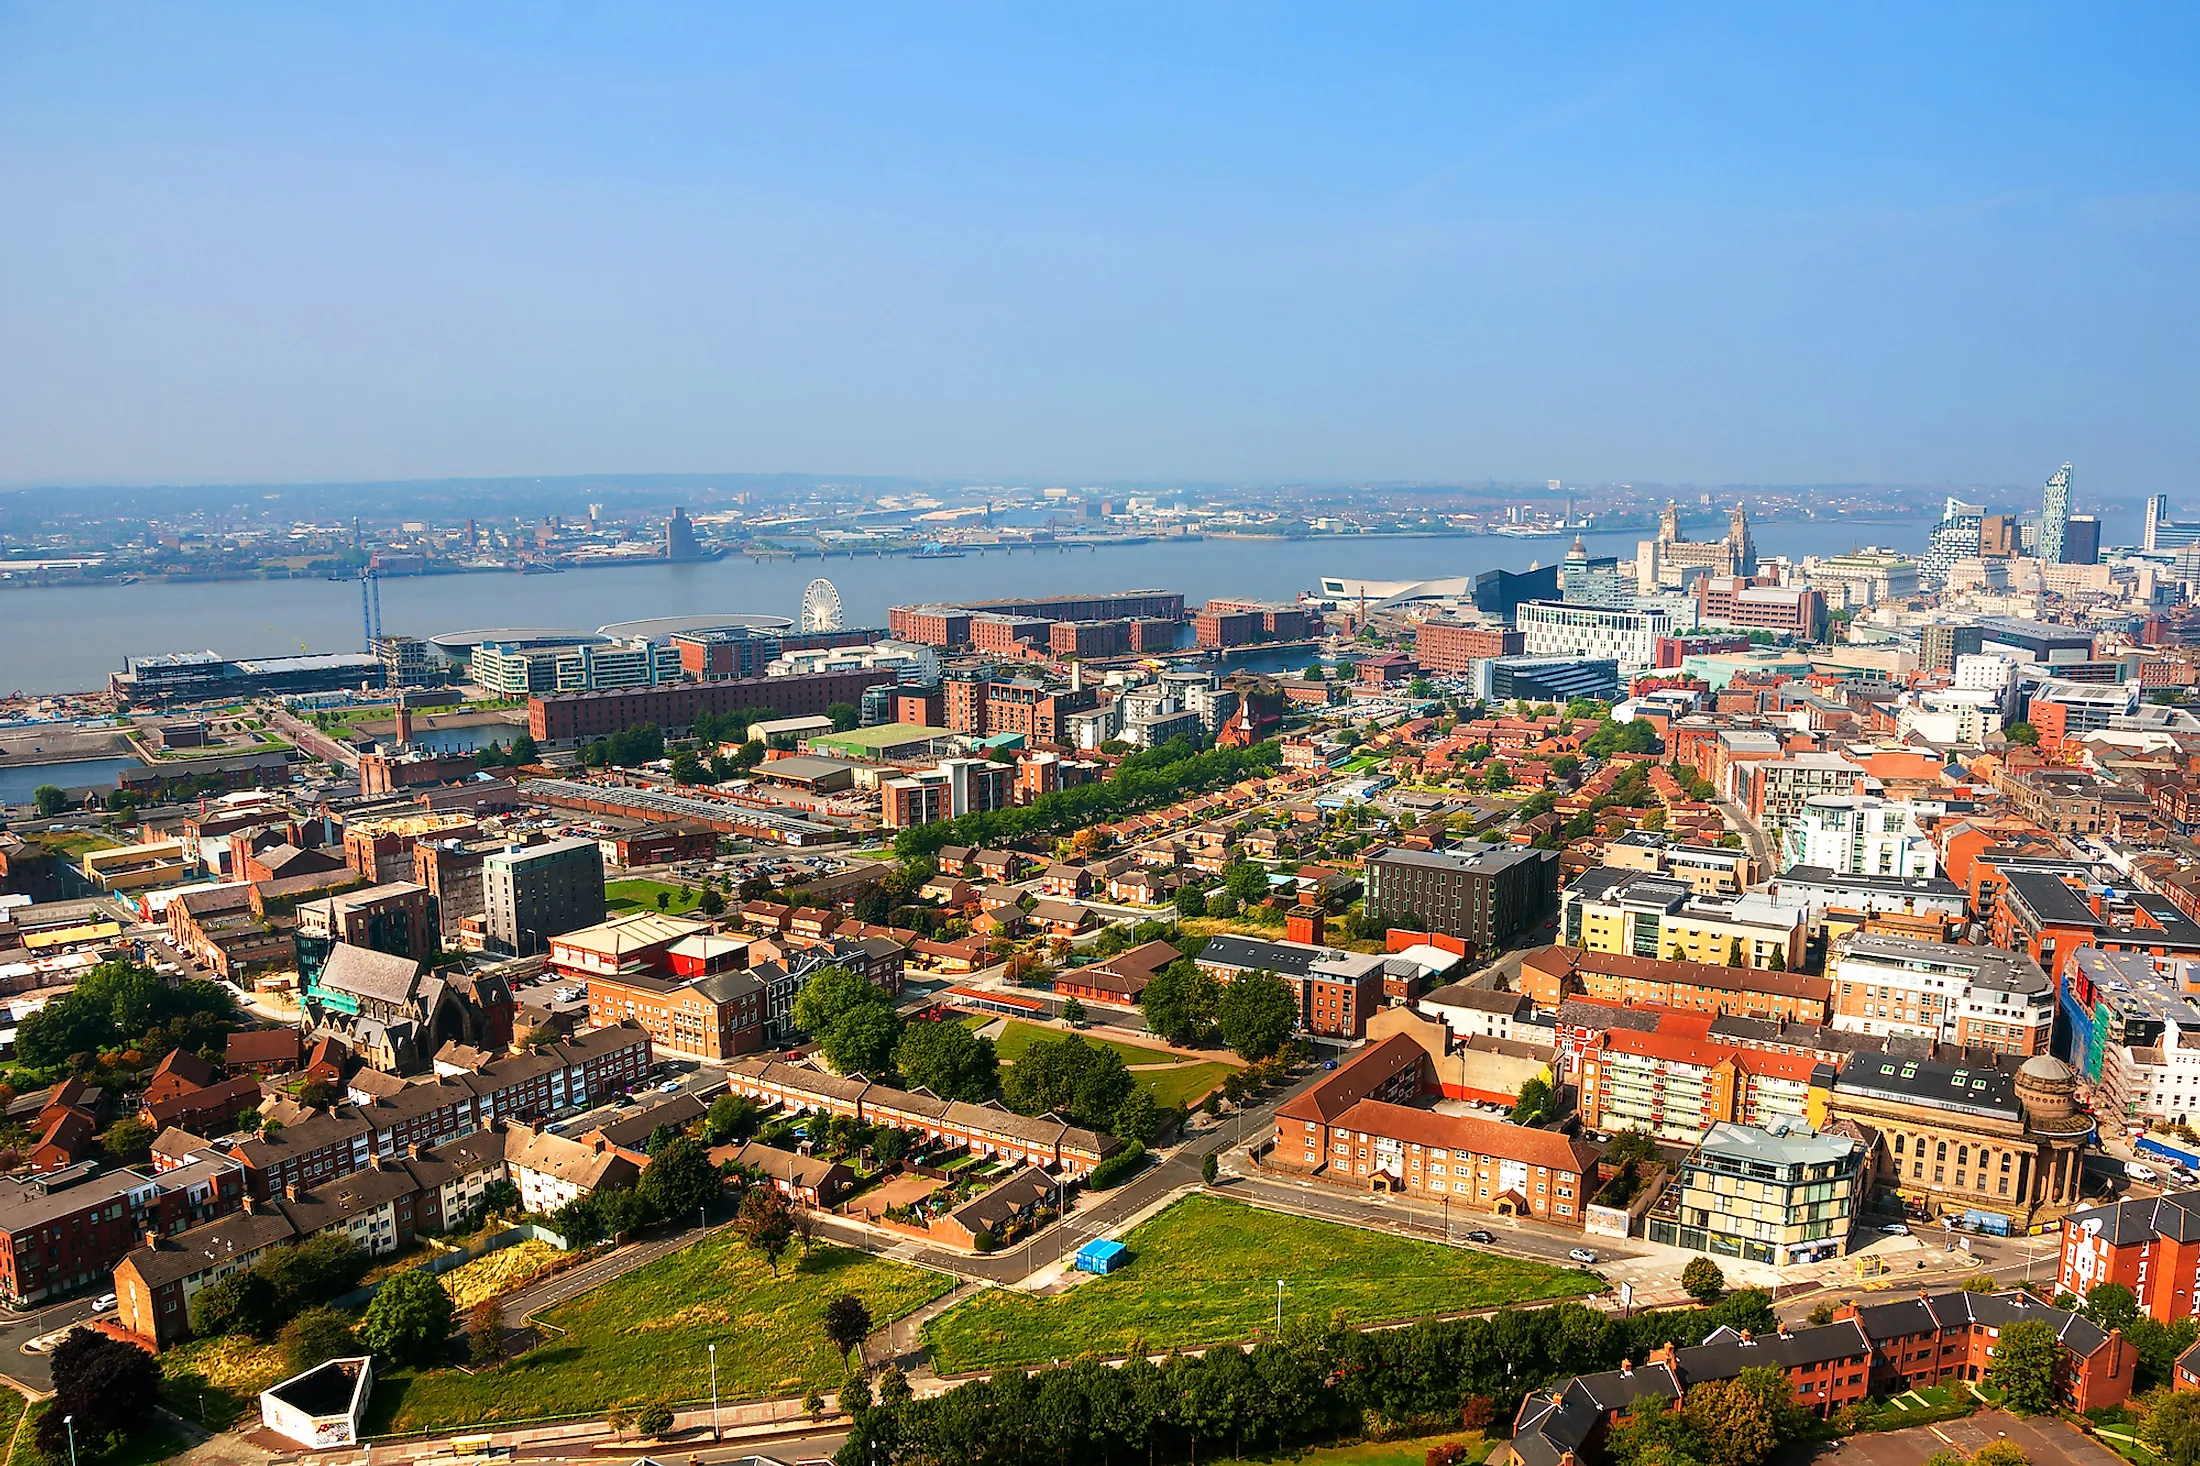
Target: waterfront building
(1627, 636)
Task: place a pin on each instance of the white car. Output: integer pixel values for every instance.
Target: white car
(104, 1303)
(2138, 1172)
(1895, 1229)
(1583, 1254)
(670, 1086)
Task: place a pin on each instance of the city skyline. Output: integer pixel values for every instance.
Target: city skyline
(272, 247)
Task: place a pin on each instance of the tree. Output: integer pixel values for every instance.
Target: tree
(845, 715)
(317, 1336)
(653, 1419)
(765, 1223)
(2171, 1426)
(893, 1388)
(1209, 1169)
(949, 1060)
(127, 1141)
(852, 1020)
(1702, 1280)
(485, 1332)
(679, 1180)
(1655, 1434)
(1081, 1081)
(1189, 900)
(847, 1322)
(712, 903)
(1073, 1013)
(664, 900)
(1179, 1003)
(2112, 1306)
(111, 1388)
(1536, 1102)
(242, 1303)
(1742, 1420)
(1137, 1117)
(1256, 1013)
(730, 1117)
(1821, 1313)
(2001, 1452)
(523, 750)
(408, 1319)
(2021, 733)
(2023, 1364)
(48, 800)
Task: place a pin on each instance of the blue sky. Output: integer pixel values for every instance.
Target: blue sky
(1075, 244)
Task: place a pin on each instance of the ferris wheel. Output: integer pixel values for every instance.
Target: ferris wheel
(820, 607)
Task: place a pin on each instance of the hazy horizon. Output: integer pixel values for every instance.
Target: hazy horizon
(249, 244)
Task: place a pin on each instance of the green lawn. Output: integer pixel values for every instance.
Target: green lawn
(1169, 1087)
(226, 1373)
(643, 1336)
(1204, 1271)
(621, 896)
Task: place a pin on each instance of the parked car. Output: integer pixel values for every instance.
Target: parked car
(1478, 1235)
(1896, 1229)
(2138, 1172)
(1583, 1254)
(104, 1303)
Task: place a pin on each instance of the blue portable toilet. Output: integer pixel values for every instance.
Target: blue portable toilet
(1102, 1256)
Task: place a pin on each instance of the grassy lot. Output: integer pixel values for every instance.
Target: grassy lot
(1412, 1452)
(621, 896)
(73, 845)
(157, 1442)
(1169, 1087)
(1213, 926)
(227, 1373)
(644, 1335)
(1204, 1271)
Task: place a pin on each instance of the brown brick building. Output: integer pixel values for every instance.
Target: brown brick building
(1450, 646)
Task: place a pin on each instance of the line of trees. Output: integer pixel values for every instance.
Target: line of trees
(1313, 1382)
(1141, 781)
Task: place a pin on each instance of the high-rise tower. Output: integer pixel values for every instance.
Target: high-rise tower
(2054, 516)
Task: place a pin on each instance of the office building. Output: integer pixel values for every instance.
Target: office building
(2055, 518)
(398, 918)
(1485, 897)
(1782, 610)
(1638, 914)
(1455, 647)
(719, 653)
(1675, 1083)
(1545, 679)
(1967, 997)
(1941, 642)
(563, 719)
(531, 893)
(1502, 592)
(517, 670)
(1955, 538)
(1627, 636)
(1782, 1194)
(2134, 1033)
(2082, 540)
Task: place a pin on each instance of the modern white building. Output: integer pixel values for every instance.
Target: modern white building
(1858, 834)
(1627, 635)
(1949, 716)
(512, 670)
(911, 662)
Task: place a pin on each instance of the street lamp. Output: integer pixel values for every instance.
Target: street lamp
(1279, 1308)
(715, 1433)
(70, 1422)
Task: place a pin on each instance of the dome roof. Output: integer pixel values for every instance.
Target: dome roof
(2047, 1069)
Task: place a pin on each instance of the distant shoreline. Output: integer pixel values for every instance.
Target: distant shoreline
(126, 579)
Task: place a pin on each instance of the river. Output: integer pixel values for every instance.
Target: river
(68, 639)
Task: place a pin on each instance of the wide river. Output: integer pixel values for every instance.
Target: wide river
(68, 639)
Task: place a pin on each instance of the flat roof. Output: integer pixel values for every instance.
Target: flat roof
(884, 735)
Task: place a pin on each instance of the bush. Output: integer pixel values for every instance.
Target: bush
(1117, 1168)
(315, 1337)
(655, 1418)
(409, 1318)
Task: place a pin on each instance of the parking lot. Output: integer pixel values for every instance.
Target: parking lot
(2046, 1440)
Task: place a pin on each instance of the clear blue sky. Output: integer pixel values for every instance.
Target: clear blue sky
(1073, 243)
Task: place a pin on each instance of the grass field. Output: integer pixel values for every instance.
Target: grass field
(227, 1373)
(73, 845)
(644, 1336)
(621, 896)
(1204, 1271)
(1169, 1087)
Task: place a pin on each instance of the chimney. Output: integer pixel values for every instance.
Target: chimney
(534, 1126)
(1627, 1368)
(152, 1237)
(1746, 1339)
(251, 1204)
(290, 1191)
(412, 1149)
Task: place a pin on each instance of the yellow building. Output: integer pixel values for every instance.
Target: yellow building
(1632, 914)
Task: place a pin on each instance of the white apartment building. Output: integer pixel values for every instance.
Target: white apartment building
(1949, 993)
(517, 671)
(1858, 835)
(910, 662)
(1774, 790)
(1949, 716)
(1628, 636)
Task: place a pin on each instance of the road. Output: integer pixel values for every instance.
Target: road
(1760, 848)
(34, 1372)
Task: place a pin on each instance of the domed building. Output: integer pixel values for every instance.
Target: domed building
(1957, 1139)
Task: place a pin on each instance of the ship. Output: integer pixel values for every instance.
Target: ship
(1530, 531)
